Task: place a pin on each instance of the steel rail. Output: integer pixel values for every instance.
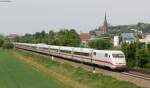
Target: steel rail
(142, 76)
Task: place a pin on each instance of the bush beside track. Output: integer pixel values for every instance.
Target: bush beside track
(78, 74)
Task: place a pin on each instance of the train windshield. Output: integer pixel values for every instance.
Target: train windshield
(118, 55)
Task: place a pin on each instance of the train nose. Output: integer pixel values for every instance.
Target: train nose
(119, 67)
(120, 61)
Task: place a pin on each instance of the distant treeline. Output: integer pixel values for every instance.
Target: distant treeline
(63, 37)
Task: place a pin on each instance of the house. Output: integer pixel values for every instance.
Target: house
(11, 37)
(127, 37)
(116, 41)
(85, 37)
(146, 40)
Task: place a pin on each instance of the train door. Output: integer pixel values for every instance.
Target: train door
(98, 58)
(108, 57)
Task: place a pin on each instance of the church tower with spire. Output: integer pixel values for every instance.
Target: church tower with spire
(105, 26)
(102, 29)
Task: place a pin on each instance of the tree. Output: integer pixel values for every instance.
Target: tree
(64, 37)
(130, 53)
(51, 37)
(28, 38)
(67, 38)
(74, 38)
(1, 42)
(143, 57)
(36, 37)
(8, 45)
(44, 37)
(100, 44)
(129, 50)
(17, 39)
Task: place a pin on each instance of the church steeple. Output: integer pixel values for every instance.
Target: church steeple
(105, 21)
(104, 28)
(105, 25)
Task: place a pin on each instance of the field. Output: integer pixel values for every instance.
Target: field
(16, 74)
(20, 69)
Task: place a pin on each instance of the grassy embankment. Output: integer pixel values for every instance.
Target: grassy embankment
(17, 74)
(71, 76)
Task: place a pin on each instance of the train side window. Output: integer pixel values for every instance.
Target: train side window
(54, 50)
(65, 51)
(94, 53)
(77, 53)
(85, 54)
(81, 53)
(106, 55)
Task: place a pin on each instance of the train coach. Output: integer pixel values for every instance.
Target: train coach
(114, 59)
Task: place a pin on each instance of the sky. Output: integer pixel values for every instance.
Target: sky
(30, 16)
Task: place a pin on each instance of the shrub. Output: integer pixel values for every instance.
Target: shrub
(101, 44)
(8, 45)
(1, 42)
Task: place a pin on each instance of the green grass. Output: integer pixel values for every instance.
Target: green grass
(78, 74)
(15, 74)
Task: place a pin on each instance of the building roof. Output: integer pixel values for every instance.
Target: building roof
(127, 36)
(85, 36)
(12, 36)
(145, 40)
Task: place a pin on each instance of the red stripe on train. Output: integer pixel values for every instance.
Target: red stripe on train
(98, 60)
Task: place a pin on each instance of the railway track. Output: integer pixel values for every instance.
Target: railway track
(137, 75)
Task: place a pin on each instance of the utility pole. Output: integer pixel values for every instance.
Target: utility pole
(137, 43)
(147, 40)
(93, 67)
(146, 46)
(81, 50)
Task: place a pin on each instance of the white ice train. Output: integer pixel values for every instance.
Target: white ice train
(114, 59)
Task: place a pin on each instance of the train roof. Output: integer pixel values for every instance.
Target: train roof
(54, 47)
(109, 51)
(42, 45)
(87, 50)
(75, 49)
(66, 48)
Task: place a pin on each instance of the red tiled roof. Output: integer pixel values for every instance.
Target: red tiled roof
(84, 36)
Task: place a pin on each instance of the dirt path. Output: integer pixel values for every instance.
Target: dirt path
(49, 72)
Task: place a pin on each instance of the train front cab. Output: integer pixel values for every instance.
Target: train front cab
(118, 60)
(111, 59)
